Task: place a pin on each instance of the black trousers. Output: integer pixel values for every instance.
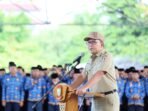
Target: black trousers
(53, 107)
(146, 103)
(122, 108)
(1, 108)
(135, 108)
(12, 106)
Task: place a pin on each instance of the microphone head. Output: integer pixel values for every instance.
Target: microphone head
(79, 57)
(82, 54)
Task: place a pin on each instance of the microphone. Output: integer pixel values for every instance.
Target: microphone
(77, 59)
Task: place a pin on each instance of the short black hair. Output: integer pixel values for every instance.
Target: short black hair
(34, 68)
(28, 74)
(44, 69)
(54, 75)
(120, 69)
(2, 69)
(20, 67)
(77, 70)
(40, 67)
(12, 64)
(116, 67)
(127, 70)
(54, 65)
(135, 72)
(59, 66)
(132, 69)
(23, 69)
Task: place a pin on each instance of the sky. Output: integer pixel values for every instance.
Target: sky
(58, 12)
(62, 11)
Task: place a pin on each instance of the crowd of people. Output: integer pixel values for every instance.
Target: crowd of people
(133, 89)
(19, 90)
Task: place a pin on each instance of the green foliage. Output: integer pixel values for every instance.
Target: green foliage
(123, 23)
(129, 29)
(14, 38)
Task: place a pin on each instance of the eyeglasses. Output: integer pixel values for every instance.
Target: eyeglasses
(92, 42)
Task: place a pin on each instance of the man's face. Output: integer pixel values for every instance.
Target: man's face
(121, 73)
(2, 72)
(55, 81)
(135, 76)
(130, 75)
(75, 76)
(13, 69)
(42, 73)
(94, 46)
(125, 75)
(59, 71)
(20, 70)
(46, 72)
(141, 73)
(145, 72)
(36, 73)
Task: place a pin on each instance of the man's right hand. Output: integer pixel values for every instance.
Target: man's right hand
(3, 103)
(34, 82)
(21, 104)
(136, 97)
(88, 102)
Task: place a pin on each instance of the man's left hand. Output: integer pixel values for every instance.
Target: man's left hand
(81, 91)
(21, 104)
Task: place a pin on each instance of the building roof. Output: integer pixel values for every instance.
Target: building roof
(26, 6)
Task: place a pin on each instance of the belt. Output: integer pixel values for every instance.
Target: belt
(110, 92)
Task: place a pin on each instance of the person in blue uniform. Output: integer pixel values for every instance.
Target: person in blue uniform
(121, 86)
(12, 89)
(83, 103)
(146, 79)
(2, 72)
(36, 87)
(52, 102)
(46, 72)
(21, 70)
(66, 78)
(126, 78)
(135, 93)
(145, 71)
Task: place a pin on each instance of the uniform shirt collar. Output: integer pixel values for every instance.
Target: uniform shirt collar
(98, 54)
(14, 75)
(136, 81)
(36, 78)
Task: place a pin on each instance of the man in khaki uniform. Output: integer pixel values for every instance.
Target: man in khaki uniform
(100, 72)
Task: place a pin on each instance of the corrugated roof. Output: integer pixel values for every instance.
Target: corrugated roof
(27, 6)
